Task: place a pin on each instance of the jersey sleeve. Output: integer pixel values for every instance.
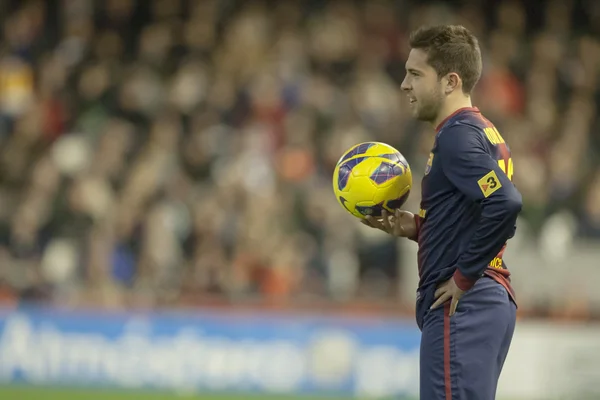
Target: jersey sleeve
(474, 172)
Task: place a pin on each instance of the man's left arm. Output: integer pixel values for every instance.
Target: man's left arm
(477, 175)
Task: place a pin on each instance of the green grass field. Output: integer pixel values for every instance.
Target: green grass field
(34, 393)
(39, 393)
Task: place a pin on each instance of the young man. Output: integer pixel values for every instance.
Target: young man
(465, 305)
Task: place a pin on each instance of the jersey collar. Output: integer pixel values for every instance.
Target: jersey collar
(455, 113)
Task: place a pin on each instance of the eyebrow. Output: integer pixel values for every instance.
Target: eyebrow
(412, 70)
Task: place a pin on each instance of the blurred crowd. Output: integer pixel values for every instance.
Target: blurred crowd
(165, 152)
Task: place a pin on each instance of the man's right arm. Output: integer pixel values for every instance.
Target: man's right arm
(401, 223)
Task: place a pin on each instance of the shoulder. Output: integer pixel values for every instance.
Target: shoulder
(461, 135)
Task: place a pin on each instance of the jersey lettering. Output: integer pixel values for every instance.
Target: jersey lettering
(496, 139)
(506, 165)
(493, 135)
(507, 169)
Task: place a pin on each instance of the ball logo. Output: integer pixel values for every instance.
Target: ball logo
(429, 164)
(343, 201)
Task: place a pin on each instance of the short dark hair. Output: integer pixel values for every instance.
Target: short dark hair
(450, 48)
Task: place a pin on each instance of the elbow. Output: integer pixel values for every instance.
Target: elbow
(504, 208)
(513, 205)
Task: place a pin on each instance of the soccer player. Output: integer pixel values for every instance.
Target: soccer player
(466, 308)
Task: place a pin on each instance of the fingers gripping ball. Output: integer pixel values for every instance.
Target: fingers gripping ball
(371, 177)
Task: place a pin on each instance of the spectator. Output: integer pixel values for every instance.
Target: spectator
(173, 151)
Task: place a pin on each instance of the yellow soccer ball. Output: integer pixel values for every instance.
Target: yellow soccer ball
(371, 177)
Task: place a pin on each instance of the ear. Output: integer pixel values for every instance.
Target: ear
(452, 82)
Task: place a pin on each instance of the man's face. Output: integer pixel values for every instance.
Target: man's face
(422, 86)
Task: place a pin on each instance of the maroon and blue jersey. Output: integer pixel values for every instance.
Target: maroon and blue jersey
(469, 205)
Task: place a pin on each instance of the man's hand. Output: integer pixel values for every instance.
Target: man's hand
(446, 291)
(401, 223)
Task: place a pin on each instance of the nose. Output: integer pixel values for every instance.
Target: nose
(405, 86)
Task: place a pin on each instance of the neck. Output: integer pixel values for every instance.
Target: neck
(450, 106)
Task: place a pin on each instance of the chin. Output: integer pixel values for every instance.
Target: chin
(426, 115)
(421, 116)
